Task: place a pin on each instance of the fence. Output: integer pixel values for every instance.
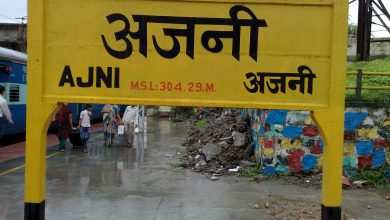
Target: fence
(359, 87)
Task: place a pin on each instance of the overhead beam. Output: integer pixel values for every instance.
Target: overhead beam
(381, 20)
(382, 7)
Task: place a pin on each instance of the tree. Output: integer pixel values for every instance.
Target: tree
(352, 30)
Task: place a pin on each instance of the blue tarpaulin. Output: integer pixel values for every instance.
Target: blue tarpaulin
(269, 170)
(276, 117)
(388, 173)
(262, 130)
(292, 131)
(364, 147)
(309, 162)
(379, 158)
(353, 120)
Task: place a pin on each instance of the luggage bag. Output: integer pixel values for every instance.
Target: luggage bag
(74, 137)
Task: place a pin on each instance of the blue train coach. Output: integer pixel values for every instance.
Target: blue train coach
(13, 72)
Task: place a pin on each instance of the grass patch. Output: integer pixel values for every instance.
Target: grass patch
(175, 166)
(375, 177)
(378, 65)
(251, 172)
(254, 173)
(202, 123)
(378, 96)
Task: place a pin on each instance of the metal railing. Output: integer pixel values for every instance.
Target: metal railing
(359, 87)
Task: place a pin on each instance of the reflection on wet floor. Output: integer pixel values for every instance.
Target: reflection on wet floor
(105, 164)
(96, 147)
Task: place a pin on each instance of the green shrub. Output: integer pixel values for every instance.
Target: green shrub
(376, 177)
(202, 123)
(251, 172)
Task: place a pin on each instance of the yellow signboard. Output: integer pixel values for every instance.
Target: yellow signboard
(283, 54)
(192, 53)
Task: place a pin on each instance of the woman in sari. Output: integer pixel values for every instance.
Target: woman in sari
(111, 119)
(63, 121)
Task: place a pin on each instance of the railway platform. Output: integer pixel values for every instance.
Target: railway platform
(19, 149)
(144, 183)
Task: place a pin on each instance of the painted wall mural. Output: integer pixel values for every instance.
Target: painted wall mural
(289, 141)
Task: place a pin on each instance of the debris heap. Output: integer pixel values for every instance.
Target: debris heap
(222, 144)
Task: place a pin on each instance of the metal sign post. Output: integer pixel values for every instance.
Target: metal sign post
(274, 54)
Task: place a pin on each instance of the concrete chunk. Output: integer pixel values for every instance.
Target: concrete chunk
(239, 139)
(211, 150)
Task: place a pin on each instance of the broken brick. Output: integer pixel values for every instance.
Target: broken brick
(350, 135)
(269, 143)
(294, 160)
(364, 161)
(310, 131)
(316, 149)
(381, 143)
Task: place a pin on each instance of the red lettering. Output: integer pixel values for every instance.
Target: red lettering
(210, 87)
(134, 85)
(151, 86)
(143, 86)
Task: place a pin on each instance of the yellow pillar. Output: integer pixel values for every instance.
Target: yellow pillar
(39, 115)
(332, 133)
(331, 120)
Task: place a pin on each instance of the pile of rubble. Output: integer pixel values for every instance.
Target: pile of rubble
(223, 144)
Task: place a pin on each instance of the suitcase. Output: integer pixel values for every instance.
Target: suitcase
(74, 137)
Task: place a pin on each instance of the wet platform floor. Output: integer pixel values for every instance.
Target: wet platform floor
(142, 183)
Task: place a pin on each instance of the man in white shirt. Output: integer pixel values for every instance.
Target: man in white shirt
(130, 121)
(5, 114)
(85, 125)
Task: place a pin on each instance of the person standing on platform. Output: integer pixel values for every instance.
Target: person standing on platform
(130, 121)
(63, 122)
(111, 119)
(5, 114)
(85, 125)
